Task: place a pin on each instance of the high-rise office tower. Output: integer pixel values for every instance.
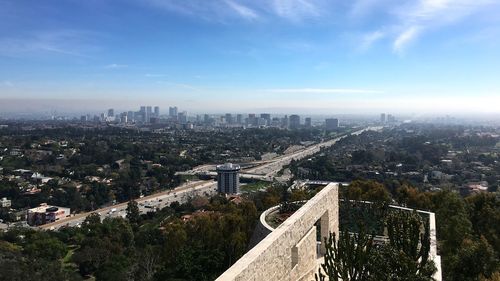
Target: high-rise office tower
(382, 117)
(252, 119)
(228, 178)
(142, 114)
(157, 111)
(149, 114)
(331, 124)
(229, 118)
(206, 119)
(239, 118)
(172, 111)
(267, 117)
(130, 116)
(123, 118)
(182, 117)
(308, 122)
(285, 122)
(294, 121)
(111, 112)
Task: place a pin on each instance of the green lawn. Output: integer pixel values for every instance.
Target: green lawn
(255, 186)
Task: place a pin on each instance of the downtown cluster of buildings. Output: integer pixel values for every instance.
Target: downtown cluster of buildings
(151, 115)
(145, 115)
(387, 118)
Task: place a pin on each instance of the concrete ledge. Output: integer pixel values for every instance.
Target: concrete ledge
(271, 259)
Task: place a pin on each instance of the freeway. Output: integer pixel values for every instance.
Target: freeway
(266, 171)
(146, 203)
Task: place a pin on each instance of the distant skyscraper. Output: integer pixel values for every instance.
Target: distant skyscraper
(331, 124)
(123, 118)
(182, 117)
(391, 118)
(252, 119)
(229, 118)
(157, 111)
(142, 114)
(285, 122)
(382, 117)
(149, 114)
(206, 119)
(172, 111)
(239, 118)
(111, 112)
(308, 122)
(267, 117)
(228, 178)
(130, 116)
(294, 121)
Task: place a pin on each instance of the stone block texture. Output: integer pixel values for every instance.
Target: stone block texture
(290, 252)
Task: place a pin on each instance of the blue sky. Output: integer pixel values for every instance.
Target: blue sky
(240, 55)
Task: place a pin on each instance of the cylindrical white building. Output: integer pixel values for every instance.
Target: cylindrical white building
(228, 178)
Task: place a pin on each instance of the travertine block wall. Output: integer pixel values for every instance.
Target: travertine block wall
(304, 256)
(289, 252)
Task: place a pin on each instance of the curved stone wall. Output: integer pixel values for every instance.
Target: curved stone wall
(262, 229)
(290, 251)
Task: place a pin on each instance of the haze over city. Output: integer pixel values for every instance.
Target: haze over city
(279, 56)
(250, 140)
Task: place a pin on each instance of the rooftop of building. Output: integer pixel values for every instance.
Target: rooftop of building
(43, 208)
(228, 167)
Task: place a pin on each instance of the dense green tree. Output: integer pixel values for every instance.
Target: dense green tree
(474, 258)
(366, 191)
(133, 214)
(484, 213)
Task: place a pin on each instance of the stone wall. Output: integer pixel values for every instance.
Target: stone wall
(262, 229)
(289, 252)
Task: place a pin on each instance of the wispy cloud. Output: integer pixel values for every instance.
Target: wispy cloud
(221, 10)
(405, 38)
(323, 91)
(213, 11)
(407, 21)
(430, 14)
(369, 39)
(295, 10)
(362, 8)
(242, 10)
(56, 42)
(115, 66)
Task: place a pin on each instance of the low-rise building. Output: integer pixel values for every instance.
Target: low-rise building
(5, 203)
(45, 214)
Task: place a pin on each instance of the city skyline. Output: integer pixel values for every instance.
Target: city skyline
(279, 56)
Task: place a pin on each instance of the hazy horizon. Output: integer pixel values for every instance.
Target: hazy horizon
(76, 108)
(422, 57)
